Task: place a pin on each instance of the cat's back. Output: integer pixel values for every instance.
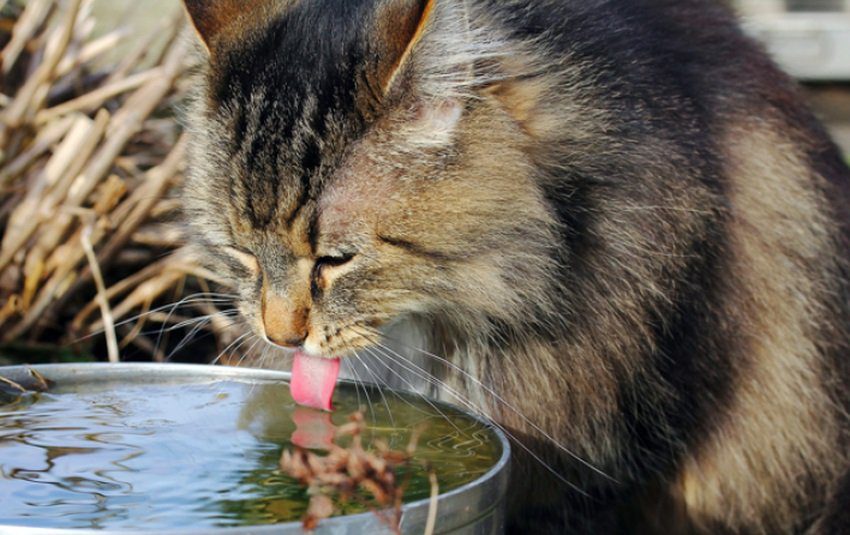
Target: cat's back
(688, 48)
(720, 130)
(685, 70)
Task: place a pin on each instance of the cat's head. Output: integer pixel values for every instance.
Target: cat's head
(359, 161)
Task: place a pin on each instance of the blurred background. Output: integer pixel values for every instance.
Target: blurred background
(811, 40)
(91, 266)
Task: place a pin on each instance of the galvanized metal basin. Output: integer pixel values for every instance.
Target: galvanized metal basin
(474, 508)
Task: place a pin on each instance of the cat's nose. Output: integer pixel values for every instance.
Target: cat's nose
(291, 343)
(284, 324)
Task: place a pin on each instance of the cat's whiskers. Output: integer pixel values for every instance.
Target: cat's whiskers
(190, 300)
(371, 351)
(472, 407)
(380, 349)
(413, 391)
(232, 312)
(246, 354)
(235, 320)
(199, 324)
(489, 391)
(464, 402)
(261, 364)
(171, 313)
(365, 391)
(267, 350)
(240, 340)
(377, 385)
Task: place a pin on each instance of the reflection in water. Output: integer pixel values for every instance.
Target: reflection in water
(314, 429)
(197, 455)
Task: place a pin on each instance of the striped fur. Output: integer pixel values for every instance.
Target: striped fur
(622, 222)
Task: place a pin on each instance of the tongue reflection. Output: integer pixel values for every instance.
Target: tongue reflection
(314, 380)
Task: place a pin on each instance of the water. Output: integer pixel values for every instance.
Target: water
(154, 456)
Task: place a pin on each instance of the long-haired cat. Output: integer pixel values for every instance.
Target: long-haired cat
(612, 224)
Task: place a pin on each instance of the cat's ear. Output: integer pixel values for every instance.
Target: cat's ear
(211, 18)
(401, 25)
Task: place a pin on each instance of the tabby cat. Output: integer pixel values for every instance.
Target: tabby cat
(612, 225)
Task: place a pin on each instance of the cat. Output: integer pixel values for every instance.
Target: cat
(613, 226)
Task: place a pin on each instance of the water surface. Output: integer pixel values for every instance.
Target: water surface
(154, 456)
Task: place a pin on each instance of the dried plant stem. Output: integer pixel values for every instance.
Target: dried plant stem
(78, 325)
(157, 183)
(99, 96)
(88, 159)
(431, 523)
(51, 134)
(33, 16)
(28, 94)
(70, 156)
(90, 51)
(13, 384)
(111, 337)
(43, 384)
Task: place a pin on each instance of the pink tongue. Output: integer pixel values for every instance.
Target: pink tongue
(313, 380)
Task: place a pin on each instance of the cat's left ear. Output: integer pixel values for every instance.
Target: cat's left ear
(213, 18)
(400, 26)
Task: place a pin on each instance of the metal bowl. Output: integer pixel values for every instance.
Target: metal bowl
(475, 508)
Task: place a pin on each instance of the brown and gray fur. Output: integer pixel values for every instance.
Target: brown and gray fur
(616, 215)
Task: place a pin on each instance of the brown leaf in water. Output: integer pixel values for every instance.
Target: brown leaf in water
(320, 507)
(343, 470)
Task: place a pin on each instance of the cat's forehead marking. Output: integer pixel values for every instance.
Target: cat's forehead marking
(293, 98)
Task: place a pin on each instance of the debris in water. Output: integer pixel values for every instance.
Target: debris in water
(12, 390)
(344, 470)
(42, 383)
(10, 384)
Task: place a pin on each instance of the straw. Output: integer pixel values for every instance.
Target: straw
(90, 159)
(102, 301)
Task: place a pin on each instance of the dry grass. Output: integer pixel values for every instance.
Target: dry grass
(90, 154)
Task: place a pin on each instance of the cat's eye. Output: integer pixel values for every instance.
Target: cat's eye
(321, 277)
(248, 260)
(333, 261)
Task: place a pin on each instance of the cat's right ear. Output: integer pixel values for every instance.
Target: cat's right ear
(401, 26)
(212, 18)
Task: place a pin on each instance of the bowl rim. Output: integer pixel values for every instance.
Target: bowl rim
(495, 478)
